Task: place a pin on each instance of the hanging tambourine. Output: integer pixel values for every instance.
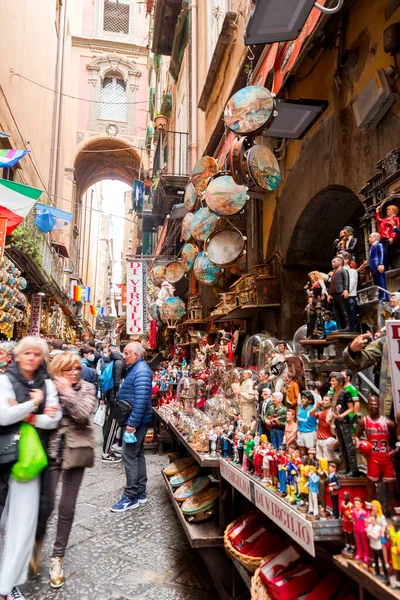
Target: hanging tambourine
(188, 256)
(263, 168)
(174, 271)
(225, 246)
(186, 227)
(205, 271)
(158, 274)
(250, 110)
(191, 197)
(203, 223)
(238, 159)
(202, 172)
(224, 197)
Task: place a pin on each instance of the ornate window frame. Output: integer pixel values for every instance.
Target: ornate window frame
(98, 69)
(109, 35)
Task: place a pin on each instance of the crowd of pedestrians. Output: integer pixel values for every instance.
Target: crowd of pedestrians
(48, 395)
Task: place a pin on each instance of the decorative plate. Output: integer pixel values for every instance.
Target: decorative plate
(174, 271)
(186, 230)
(190, 198)
(224, 197)
(188, 256)
(203, 223)
(249, 110)
(263, 168)
(191, 488)
(185, 475)
(205, 271)
(202, 172)
(200, 501)
(179, 465)
(158, 275)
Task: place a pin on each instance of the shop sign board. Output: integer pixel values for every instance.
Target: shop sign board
(3, 230)
(393, 342)
(136, 291)
(36, 311)
(237, 479)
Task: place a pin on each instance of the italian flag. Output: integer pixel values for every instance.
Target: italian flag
(16, 200)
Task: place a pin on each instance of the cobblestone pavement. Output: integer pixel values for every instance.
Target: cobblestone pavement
(140, 554)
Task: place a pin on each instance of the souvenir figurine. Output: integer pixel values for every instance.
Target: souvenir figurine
(360, 516)
(296, 459)
(376, 263)
(273, 467)
(334, 485)
(291, 427)
(339, 293)
(266, 463)
(379, 431)
(307, 423)
(352, 299)
(339, 243)
(316, 290)
(346, 514)
(247, 397)
(326, 440)
(330, 324)
(347, 242)
(375, 508)
(313, 487)
(342, 406)
(303, 469)
(292, 474)
(230, 437)
(394, 536)
(241, 439)
(278, 366)
(236, 448)
(323, 472)
(248, 452)
(387, 227)
(374, 533)
(225, 442)
(212, 443)
(282, 469)
(309, 315)
(258, 459)
(275, 419)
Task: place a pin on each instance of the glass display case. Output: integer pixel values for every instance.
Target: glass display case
(187, 394)
(255, 350)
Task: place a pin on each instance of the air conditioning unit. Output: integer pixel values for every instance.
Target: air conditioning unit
(374, 101)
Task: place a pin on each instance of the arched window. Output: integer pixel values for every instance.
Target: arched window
(113, 98)
(116, 16)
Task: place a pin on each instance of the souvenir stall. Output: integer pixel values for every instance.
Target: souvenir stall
(14, 308)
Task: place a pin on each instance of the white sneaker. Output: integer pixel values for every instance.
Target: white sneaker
(116, 448)
(15, 595)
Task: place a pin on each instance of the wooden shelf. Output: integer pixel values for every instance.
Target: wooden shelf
(200, 535)
(242, 312)
(244, 574)
(204, 460)
(365, 579)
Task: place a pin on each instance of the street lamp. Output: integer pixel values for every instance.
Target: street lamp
(281, 20)
(295, 118)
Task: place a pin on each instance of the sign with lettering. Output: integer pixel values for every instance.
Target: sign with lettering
(393, 342)
(36, 311)
(236, 478)
(136, 291)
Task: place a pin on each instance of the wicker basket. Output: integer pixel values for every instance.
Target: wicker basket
(258, 590)
(251, 563)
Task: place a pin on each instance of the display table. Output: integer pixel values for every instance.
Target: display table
(366, 581)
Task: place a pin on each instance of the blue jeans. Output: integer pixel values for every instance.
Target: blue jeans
(277, 437)
(282, 481)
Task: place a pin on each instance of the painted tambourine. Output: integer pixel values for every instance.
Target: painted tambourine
(201, 506)
(202, 172)
(238, 160)
(186, 227)
(158, 274)
(174, 271)
(188, 256)
(263, 168)
(191, 197)
(250, 110)
(179, 465)
(225, 246)
(224, 196)
(187, 490)
(185, 475)
(205, 271)
(203, 223)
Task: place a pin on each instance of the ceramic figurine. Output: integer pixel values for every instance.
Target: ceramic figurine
(248, 452)
(291, 428)
(212, 443)
(225, 442)
(376, 261)
(339, 293)
(303, 469)
(334, 486)
(258, 459)
(348, 242)
(313, 487)
(375, 508)
(323, 472)
(236, 448)
(230, 438)
(374, 533)
(394, 536)
(342, 406)
(360, 516)
(282, 469)
(316, 290)
(273, 466)
(346, 513)
(292, 475)
(387, 230)
(307, 423)
(379, 431)
(266, 461)
(326, 439)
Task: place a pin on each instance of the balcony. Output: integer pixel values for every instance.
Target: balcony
(166, 15)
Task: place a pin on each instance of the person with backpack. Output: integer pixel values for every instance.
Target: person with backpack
(109, 382)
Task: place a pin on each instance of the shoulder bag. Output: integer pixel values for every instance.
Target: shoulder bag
(9, 450)
(79, 445)
(122, 411)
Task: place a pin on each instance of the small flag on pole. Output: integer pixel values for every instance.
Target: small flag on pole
(86, 295)
(77, 296)
(93, 310)
(16, 200)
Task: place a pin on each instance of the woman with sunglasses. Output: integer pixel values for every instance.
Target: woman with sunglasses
(71, 450)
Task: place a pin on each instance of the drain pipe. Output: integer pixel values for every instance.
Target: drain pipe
(56, 97)
(61, 103)
(194, 141)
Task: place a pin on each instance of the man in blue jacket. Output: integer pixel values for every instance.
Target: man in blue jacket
(136, 390)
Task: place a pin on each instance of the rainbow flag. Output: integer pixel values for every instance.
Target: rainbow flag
(93, 310)
(77, 296)
(8, 158)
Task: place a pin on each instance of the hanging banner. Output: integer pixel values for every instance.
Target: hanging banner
(36, 311)
(136, 292)
(3, 233)
(393, 342)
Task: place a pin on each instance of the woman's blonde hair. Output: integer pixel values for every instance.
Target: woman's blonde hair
(378, 507)
(31, 341)
(63, 362)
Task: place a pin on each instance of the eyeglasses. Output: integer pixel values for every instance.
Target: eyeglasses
(72, 369)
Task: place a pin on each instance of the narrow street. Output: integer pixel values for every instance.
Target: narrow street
(140, 554)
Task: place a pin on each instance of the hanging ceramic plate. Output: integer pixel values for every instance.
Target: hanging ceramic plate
(190, 198)
(225, 246)
(181, 464)
(205, 271)
(263, 168)
(187, 490)
(158, 274)
(174, 271)
(238, 155)
(250, 110)
(173, 308)
(224, 197)
(186, 231)
(203, 223)
(188, 256)
(202, 172)
(185, 475)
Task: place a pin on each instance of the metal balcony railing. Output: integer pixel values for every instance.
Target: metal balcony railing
(171, 155)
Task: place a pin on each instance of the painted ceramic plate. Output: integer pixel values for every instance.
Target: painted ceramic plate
(173, 308)
(225, 246)
(188, 256)
(200, 501)
(205, 271)
(185, 475)
(174, 271)
(158, 274)
(224, 197)
(203, 223)
(190, 197)
(191, 488)
(249, 110)
(186, 230)
(179, 465)
(202, 172)
(263, 168)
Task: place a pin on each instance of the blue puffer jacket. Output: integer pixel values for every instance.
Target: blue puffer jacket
(136, 389)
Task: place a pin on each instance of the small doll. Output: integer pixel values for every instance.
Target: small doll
(346, 510)
(360, 515)
(282, 469)
(236, 448)
(313, 489)
(292, 474)
(394, 536)
(374, 533)
(258, 459)
(241, 440)
(248, 452)
(303, 469)
(334, 486)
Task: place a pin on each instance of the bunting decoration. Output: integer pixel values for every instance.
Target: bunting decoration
(9, 158)
(16, 201)
(49, 218)
(81, 293)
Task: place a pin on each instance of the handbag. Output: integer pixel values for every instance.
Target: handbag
(122, 411)
(32, 457)
(9, 450)
(79, 445)
(100, 416)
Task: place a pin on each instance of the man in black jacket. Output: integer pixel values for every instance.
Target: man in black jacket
(339, 293)
(110, 428)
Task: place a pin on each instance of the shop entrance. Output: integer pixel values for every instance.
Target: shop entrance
(311, 247)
